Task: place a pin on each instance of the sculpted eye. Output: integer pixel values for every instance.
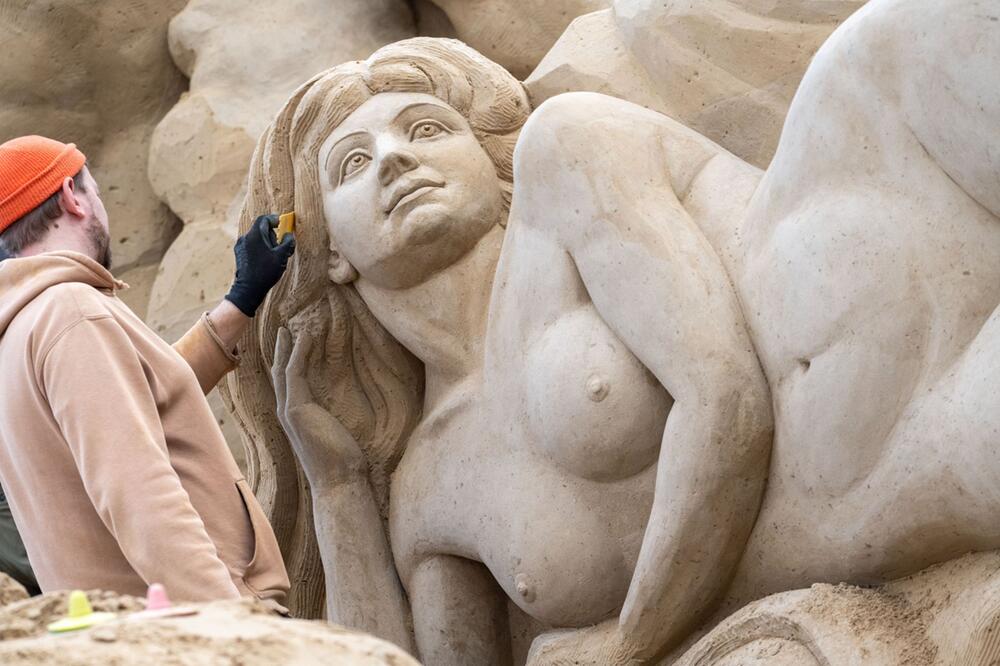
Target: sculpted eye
(353, 163)
(426, 129)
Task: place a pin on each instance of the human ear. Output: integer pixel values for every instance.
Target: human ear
(69, 200)
(341, 271)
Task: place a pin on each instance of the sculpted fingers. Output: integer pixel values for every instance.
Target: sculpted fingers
(296, 373)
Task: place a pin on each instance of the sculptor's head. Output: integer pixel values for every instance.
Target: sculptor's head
(407, 189)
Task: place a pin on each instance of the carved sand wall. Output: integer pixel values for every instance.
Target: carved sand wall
(544, 435)
(514, 33)
(98, 75)
(726, 69)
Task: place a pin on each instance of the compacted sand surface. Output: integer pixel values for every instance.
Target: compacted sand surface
(246, 633)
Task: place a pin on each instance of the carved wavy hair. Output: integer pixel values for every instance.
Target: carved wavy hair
(368, 380)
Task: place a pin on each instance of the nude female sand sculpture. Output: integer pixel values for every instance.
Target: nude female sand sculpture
(594, 429)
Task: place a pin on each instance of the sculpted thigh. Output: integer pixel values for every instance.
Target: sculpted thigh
(460, 617)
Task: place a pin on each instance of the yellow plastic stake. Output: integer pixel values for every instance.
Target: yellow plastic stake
(81, 615)
(286, 225)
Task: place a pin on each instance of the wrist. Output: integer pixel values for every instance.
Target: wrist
(338, 484)
(226, 323)
(241, 299)
(626, 648)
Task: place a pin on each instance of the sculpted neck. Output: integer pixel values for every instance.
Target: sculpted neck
(442, 321)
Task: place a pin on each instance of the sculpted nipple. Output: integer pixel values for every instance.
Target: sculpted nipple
(524, 588)
(597, 388)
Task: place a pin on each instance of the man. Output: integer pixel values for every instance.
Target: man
(115, 469)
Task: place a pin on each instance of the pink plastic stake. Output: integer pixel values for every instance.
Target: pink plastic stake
(156, 598)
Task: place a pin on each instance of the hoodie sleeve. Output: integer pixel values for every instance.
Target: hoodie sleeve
(203, 350)
(99, 395)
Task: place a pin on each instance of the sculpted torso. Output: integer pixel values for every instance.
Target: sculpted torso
(535, 472)
(873, 303)
(873, 307)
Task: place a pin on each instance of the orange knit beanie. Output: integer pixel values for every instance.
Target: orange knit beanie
(32, 169)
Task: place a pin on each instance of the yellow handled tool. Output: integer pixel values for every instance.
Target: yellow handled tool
(286, 225)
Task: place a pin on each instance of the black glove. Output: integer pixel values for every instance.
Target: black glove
(260, 263)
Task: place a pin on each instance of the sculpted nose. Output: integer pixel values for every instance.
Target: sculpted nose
(396, 162)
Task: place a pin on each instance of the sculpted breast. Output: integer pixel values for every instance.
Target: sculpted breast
(591, 406)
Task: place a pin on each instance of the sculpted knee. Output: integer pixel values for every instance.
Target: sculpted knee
(941, 93)
(551, 136)
(572, 141)
(567, 127)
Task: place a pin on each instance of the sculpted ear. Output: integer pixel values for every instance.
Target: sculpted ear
(341, 271)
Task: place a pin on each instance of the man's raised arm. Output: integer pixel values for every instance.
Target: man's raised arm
(209, 347)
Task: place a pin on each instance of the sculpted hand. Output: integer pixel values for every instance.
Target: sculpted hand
(260, 263)
(328, 452)
(600, 645)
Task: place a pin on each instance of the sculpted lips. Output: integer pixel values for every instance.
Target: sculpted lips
(408, 187)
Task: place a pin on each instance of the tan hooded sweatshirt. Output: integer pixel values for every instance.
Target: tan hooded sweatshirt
(115, 468)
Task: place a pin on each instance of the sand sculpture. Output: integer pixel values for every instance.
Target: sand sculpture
(621, 382)
(200, 150)
(737, 65)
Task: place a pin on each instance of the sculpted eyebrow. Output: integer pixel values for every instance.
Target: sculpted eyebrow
(420, 105)
(334, 149)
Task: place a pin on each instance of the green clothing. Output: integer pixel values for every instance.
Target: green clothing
(13, 558)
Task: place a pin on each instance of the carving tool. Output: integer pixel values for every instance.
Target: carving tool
(286, 225)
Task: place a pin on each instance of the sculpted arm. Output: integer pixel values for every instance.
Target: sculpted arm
(362, 588)
(657, 282)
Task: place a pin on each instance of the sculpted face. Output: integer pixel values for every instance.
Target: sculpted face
(407, 189)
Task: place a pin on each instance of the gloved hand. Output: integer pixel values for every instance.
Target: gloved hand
(260, 263)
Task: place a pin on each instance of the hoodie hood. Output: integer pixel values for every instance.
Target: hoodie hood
(22, 280)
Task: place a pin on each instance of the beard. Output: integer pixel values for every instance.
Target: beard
(101, 241)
